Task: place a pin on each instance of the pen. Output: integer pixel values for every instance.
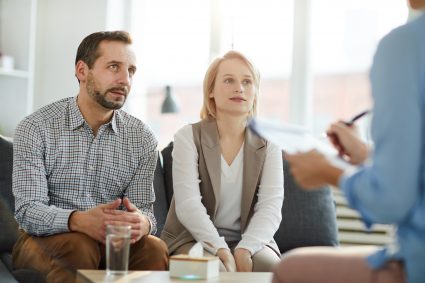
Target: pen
(355, 118)
(349, 123)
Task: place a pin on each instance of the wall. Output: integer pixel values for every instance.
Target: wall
(43, 36)
(61, 25)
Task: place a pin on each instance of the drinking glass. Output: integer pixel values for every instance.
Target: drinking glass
(117, 249)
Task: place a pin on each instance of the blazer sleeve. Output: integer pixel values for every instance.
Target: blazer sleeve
(189, 208)
(267, 211)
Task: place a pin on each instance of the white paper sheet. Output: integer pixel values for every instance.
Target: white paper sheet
(293, 139)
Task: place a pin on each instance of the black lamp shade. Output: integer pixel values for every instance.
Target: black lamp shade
(169, 105)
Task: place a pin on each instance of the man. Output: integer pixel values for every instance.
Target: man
(81, 164)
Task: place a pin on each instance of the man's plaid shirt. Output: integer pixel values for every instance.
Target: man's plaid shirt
(60, 166)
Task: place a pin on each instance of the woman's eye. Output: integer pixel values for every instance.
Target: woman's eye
(228, 81)
(247, 82)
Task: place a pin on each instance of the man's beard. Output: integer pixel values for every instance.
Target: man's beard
(100, 97)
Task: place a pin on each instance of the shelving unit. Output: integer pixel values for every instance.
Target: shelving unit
(14, 73)
(17, 39)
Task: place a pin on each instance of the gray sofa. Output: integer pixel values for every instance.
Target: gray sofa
(308, 218)
(8, 225)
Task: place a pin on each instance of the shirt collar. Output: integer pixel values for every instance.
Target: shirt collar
(113, 122)
(76, 119)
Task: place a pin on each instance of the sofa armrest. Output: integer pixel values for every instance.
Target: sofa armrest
(5, 275)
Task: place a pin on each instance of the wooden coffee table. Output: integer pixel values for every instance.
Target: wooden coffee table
(97, 276)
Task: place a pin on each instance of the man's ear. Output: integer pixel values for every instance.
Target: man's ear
(81, 71)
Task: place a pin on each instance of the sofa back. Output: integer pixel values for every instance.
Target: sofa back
(308, 218)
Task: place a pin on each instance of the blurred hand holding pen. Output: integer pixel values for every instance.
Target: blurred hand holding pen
(350, 122)
(333, 137)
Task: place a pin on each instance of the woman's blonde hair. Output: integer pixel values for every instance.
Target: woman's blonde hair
(208, 108)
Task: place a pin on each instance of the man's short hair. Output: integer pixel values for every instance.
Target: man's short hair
(88, 50)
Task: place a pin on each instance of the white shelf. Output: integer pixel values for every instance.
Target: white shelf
(14, 73)
(17, 35)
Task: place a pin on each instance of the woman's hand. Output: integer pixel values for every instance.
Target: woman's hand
(312, 169)
(243, 260)
(227, 259)
(347, 141)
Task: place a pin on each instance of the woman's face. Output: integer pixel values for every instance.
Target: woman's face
(234, 89)
(417, 4)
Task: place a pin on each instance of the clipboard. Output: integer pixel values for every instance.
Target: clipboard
(292, 139)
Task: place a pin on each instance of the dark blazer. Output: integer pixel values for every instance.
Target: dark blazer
(206, 139)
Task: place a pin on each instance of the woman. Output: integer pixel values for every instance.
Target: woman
(390, 188)
(228, 183)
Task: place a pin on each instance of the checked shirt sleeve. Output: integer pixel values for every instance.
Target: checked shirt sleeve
(140, 190)
(32, 210)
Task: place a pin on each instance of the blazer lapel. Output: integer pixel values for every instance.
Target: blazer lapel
(254, 156)
(212, 154)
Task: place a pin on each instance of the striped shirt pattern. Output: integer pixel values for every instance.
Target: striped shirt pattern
(60, 166)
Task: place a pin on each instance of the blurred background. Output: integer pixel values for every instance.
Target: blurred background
(314, 55)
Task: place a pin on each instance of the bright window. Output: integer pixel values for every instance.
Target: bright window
(345, 35)
(176, 39)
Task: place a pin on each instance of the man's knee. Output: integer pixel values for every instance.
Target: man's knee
(58, 255)
(155, 246)
(78, 244)
(150, 253)
(156, 243)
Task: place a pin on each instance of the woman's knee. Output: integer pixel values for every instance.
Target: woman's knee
(265, 260)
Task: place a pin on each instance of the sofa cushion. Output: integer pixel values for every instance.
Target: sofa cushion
(5, 275)
(167, 163)
(160, 207)
(308, 217)
(8, 225)
(6, 166)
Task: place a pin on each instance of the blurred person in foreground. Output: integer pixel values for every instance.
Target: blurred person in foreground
(389, 185)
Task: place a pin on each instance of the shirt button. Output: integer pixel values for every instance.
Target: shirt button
(91, 167)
